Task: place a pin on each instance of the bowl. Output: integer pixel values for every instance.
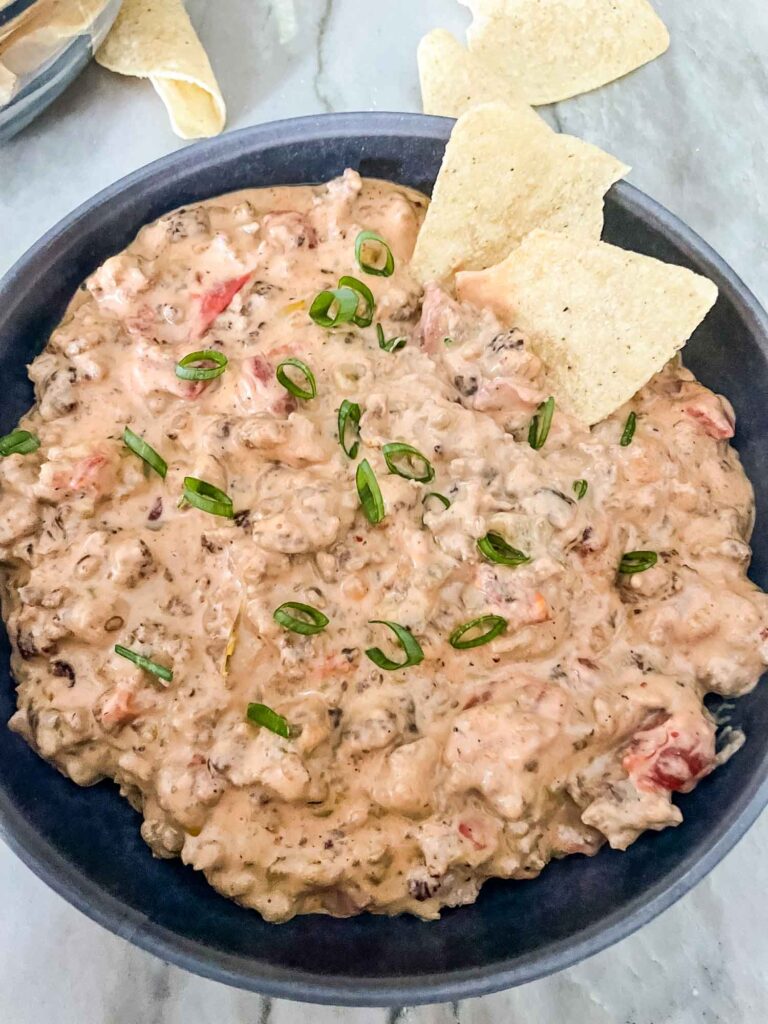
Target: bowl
(55, 66)
(85, 843)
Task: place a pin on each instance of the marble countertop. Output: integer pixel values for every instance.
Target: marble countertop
(694, 125)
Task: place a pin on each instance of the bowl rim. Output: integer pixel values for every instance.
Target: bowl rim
(64, 876)
(14, 9)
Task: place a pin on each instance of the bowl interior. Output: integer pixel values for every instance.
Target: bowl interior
(86, 843)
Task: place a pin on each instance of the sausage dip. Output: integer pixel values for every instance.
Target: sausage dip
(263, 594)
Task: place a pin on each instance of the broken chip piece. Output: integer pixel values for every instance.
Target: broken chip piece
(603, 320)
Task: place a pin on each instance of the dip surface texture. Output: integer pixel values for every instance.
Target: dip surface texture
(397, 790)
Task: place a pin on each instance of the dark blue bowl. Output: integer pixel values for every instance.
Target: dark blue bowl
(85, 842)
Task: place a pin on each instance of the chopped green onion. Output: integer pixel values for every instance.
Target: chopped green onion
(439, 497)
(295, 389)
(384, 261)
(208, 498)
(140, 447)
(149, 666)
(364, 319)
(538, 432)
(629, 430)
(18, 442)
(369, 492)
(448, 341)
(493, 547)
(580, 488)
(308, 621)
(411, 648)
(260, 714)
(333, 307)
(637, 561)
(413, 465)
(391, 345)
(187, 370)
(349, 412)
(432, 497)
(497, 625)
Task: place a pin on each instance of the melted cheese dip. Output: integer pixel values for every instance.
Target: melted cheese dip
(403, 790)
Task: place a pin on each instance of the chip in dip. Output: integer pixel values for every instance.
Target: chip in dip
(505, 173)
(602, 319)
(549, 50)
(156, 40)
(454, 80)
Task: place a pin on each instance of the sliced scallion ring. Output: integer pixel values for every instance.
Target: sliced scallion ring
(349, 417)
(496, 626)
(580, 488)
(187, 368)
(146, 452)
(18, 442)
(261, 715)
(428, 501)
(207, 498)
(493, 547)
(629, 430)
(637, 561)
(300, 618)
(149, 666)
(383, 264)
(445, 502)
(333, 307)
(310, 391)
(538, 432)
(408, 462)
(369, 492)
(364, 318)
(391, 344)
(411, 648)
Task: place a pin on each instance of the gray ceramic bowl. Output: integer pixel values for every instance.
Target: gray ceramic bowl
(85, 843)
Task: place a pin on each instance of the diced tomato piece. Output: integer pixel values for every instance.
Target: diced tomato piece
(119, 707)
(261, 369)
(675, 768)
(712, 418)
(192, 389)
(84, 475)
(662, 757)
(466, 830)
(217, 299)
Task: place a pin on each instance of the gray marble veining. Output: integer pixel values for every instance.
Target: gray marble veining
(694, 126)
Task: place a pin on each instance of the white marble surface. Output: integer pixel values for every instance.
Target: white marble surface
(695, 127)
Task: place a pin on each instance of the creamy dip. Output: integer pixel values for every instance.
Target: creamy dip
(396, 790)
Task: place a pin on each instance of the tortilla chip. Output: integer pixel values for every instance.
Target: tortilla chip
(155, 39)
(504, 174)
(454, 80)
(603, 320)
(549, 50)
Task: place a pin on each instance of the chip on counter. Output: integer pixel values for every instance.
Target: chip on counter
(454, 80)
(155, 39)
(505, 173)
(549, 50)
(603, 320)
